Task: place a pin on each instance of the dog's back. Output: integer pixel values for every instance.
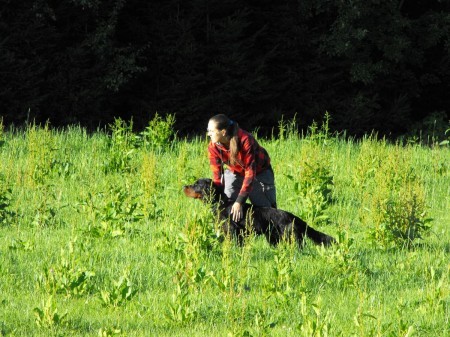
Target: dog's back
(274, 223)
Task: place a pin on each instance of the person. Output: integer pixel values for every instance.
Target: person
(249, 174)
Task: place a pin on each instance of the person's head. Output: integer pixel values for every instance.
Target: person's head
(223, 130)
(220, 129)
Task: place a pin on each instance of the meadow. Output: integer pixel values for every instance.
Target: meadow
(98, 239)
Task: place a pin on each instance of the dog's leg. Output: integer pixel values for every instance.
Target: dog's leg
(233, 232)
(273, 234)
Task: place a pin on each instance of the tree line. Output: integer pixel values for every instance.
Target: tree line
(372, 64)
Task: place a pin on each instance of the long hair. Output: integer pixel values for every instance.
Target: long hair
(231, 127)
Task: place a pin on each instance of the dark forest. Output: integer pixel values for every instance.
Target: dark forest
(371, 64)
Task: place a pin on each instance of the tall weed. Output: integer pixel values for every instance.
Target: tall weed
(118, 292)
(312, 179)
(47, 316)
(6, 198)
(112, 215)
(47, 213)
(68, 276)
(41, 150)
(314, 322)
(287, 129)
(371, 156)
(281, 286)
(398, 208)
(321, 135)
(190, 247)
(121, 147)
(313, 184)
(341, 260)
(159, 133)
(150, 176)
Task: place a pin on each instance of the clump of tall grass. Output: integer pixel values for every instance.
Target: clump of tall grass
(47, 316)
(68, 276)
(397, 206)
(112, 214)
(123, 142)
(115, 293)
(121, 147)
(150, 182)
(312, 178)
(190, 248)
(47, 209)
(341, 260)
(41, 149)
(159, 133)
(7, 212)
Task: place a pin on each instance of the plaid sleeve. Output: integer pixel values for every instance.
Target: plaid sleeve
(215, 164)
(249, 163)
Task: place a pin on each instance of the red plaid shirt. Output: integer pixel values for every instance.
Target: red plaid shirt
(251, 160)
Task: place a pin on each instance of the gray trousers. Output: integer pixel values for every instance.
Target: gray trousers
(263, 189)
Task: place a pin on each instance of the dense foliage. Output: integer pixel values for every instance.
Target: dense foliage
(380, 65)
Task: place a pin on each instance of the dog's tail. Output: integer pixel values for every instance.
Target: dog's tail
(315, 235)
(319, 237)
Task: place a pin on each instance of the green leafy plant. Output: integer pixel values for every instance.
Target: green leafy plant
(312, 178)
(114, 217)
(314, 185)
(280, 286)
(41, 147)
(150, 186)
(189, 247)
(67, 276)
(315, 323)
(46, 215)
(181, 309)
(119, 292)
(341, 260)
(262, 324)
(6, 211)
(63, 167)
(287, 129)
(109, 332)
(47, 316)
(159, 132)
(321, 135)
(370, 158)
(398, 207)
(121, 147)
(404, 218)
(18, 244)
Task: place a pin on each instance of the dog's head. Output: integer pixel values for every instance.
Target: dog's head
(203, 189)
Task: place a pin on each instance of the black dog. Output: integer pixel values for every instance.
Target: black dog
(275, 224)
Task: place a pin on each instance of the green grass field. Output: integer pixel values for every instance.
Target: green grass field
(97, 239)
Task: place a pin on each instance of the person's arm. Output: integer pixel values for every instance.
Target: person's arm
(215, 163)
(248, 160)
(249, 164)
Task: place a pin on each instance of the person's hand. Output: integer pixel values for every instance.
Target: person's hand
(236, 212)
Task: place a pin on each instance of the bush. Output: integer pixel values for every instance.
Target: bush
(398, 203)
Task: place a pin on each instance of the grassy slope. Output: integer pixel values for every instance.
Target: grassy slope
(61, 193)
